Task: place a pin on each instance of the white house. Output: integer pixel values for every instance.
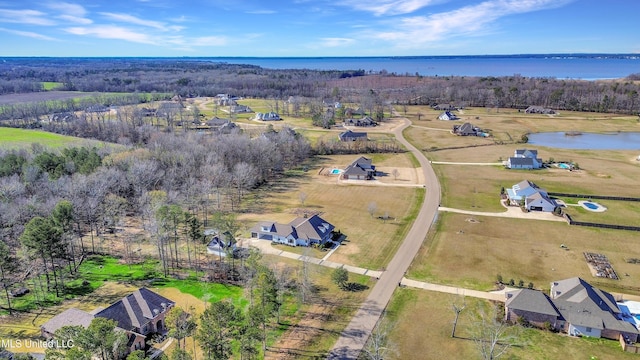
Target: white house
(532, 197)
(524, 159)
(299, 232)
(447, 115)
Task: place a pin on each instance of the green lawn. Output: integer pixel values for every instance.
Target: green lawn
(95, 271)
(22, 138)
(50, 85)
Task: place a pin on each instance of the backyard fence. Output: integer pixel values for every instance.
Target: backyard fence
(601, 197)
(599, 225)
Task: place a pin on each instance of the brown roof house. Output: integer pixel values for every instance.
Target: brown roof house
(301, 231)
(140, 314)
(574, 307)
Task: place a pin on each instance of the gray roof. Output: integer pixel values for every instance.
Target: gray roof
(582, 304)
(532, 301)
(136, 309)
(527, 153)
(521, 161)
(311, 228)
(541, 196)
(69, 317)
(352, 135)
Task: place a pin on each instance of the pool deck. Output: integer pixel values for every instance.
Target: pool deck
(599, 208)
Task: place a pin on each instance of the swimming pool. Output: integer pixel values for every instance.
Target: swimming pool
(591, 205)
(564, 166)
(335, 171)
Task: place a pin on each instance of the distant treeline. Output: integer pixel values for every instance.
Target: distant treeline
(187, 78)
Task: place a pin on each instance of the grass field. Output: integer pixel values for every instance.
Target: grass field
(432, 339)
(51, 85)
(472, 254)
(370, 241)
(11, 138)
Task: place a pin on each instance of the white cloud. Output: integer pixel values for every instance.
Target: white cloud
(30, 17)
(126, 18)
(71, 12)
(28, 34)
(471, 20)
(336, 42)
(387, 7)
(111, 32)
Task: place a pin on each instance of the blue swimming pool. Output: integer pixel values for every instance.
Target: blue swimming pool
(590, 205)
(336, 171)
(564, 166)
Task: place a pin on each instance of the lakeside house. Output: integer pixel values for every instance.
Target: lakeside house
(301, 231)
(574, 307)
(524, 159)
(140, 315)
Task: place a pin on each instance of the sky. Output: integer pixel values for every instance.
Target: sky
(316, 28)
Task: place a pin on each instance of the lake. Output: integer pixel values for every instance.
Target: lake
(588, 141)
(561, 66)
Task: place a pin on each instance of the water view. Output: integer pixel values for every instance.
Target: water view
(588, 141)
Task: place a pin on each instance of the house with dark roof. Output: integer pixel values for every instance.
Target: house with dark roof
(573, 306)
(524, 159)
(365, 121)
(447, 115)
(352, 136)
(301, 231)
(223, 126)
(219, 243)
(467, 129)
(140, 314)
(69, 317)
(444, 107)
(361, 169)
(539, 110)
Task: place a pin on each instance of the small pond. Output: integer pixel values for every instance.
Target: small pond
(588, 141)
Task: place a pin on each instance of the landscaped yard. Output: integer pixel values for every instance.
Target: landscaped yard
(432, 338)
(370, 241)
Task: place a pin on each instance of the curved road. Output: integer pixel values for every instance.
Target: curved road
(355, 335)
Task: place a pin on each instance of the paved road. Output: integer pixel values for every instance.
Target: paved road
(355, 335)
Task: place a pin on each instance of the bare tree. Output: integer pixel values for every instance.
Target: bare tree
(372, 208)
(493, 336)
(302, 196)
(378, 346)
(395, 174)
(457, 309)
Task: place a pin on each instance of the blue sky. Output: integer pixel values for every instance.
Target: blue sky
(316, 27)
